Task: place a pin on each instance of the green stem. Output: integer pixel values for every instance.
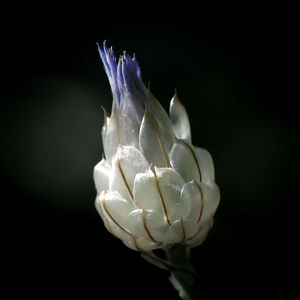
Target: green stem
(183, 275)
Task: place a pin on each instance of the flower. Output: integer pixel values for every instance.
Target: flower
(154, 188)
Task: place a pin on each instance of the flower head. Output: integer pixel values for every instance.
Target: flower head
(154, 188)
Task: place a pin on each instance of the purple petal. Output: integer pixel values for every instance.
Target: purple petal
(124, 76)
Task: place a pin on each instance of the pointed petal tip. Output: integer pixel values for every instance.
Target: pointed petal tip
(175, 98)
(175, 92)
(106, 114)
(105, 47)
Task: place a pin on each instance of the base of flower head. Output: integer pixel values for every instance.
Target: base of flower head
(150, 208)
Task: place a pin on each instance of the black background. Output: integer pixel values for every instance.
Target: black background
(236, 78)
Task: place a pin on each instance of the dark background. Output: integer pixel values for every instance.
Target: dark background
(236, 79)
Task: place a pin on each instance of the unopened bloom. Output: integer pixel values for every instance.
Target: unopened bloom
(154, 188)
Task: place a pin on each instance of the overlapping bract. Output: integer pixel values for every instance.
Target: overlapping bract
(154, 188)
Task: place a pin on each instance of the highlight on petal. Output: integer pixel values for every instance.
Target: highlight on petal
(141, 228)
(129, 124)
(204, 200)
(127, 162)
(105, 124)
(101, 175)
(115, 208)
(161, 116)
(180, 119)
(158, 233)
(159, 191)
(170, 185)
(206, 165)
(155, 143)
(112, 224)
(185, 208)
(146, 194)
(112, 135)
(184, 160)
(156, 224)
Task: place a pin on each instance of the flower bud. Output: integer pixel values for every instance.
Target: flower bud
(154, 188)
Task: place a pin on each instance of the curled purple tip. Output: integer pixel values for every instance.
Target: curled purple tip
(124, 76)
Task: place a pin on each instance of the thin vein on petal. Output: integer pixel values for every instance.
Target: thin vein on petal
(161, 145)
(107, 211)
(201, 202)
(124, 179)
(194, 157)
(135, 244)
(162, 200)
(163, 149)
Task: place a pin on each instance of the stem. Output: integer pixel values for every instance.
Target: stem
(183, 281)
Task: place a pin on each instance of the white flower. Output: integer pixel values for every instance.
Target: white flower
(154, 188)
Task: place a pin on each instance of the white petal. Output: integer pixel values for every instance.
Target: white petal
(180, 119)
(129, 124)
(160, 230)
(170, 185)
(105, 123)
(139, 226)
(201, 234)
(206, 165)
(159, 113)
(191, 227)
(112, 135)
(145, 245)
(176, 233)
(156, 224)
(203, 200)
(111, 224)
(133, 107)
(130, 242)
(191, 202)
(105, 220)
(155, 141)
(184, 160)
(116, 208)
(186, 206)
(146, 194)
(98, 206)
(127, 162)
(159, 191)
(135, 223)
(188, 209)
(101, 174)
